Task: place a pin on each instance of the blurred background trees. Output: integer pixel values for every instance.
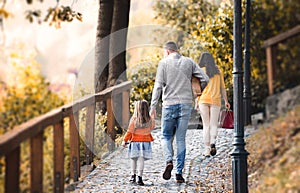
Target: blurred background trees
(26, 94)
(209, 28)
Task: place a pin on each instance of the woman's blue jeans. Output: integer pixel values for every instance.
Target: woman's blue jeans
(175, 120)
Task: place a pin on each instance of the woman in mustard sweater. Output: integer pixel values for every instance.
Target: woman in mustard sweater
(209, 103)
(139, 135)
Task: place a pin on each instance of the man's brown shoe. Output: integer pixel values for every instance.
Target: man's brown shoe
(179, 178)
(168, 170)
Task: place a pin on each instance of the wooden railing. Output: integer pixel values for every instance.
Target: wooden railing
(33, 130)
(271, 46)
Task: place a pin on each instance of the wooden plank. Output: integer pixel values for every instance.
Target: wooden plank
(74, 147)
(58, 144)
(271, 64)
(12, 171)
(15, 137)
(89, 100)
(117, 89)
(36, 163)
(125, 109)
(78, 105)
(89, 134)
(67, 110)
(281, 37)
(110, 125)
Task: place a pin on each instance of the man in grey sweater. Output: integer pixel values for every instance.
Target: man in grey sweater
(173, 81)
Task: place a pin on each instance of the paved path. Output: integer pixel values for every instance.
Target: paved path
(202, 174)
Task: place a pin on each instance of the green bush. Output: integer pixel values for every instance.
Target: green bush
(143, 78)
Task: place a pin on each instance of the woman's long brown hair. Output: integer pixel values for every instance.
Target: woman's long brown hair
(208, 62)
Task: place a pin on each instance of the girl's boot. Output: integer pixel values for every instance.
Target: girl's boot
(132, 179)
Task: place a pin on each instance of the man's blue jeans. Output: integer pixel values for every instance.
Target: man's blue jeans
(175, 120)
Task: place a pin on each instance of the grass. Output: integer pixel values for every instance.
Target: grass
(274, 160)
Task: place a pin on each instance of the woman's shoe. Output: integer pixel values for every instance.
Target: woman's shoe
(206, 152)
(140, 181)
(213, 150)
(133, 178)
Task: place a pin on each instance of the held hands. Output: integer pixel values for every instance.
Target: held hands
(123, 144)
(153, 113)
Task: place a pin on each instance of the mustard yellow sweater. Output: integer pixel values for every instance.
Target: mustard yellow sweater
(212, 92)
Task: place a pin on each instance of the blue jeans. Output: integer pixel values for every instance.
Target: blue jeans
(175, 120)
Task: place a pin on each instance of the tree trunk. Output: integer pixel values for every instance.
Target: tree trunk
(111, 46)
(117, 54)
(105, 17)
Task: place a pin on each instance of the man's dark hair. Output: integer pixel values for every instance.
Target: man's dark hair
(170, 45)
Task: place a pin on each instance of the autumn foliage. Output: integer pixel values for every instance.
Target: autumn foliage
(274, 155)
(25, 94)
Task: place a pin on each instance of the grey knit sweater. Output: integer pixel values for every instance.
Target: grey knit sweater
(173, 80)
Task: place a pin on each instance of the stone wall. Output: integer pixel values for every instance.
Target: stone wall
(280, 103)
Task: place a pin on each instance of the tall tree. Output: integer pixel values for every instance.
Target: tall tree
(105, 16)
(117, 65)
(110, 52)
(110, 49)
(117, 54)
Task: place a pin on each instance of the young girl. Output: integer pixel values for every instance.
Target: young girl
(140, 138)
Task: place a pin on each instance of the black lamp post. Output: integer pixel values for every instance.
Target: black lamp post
(247, 85)
(239, 154)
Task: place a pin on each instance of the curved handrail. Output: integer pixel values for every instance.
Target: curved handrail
(33, 130)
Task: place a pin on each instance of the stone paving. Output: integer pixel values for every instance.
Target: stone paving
(201, 174)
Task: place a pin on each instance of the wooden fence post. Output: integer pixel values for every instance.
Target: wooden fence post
(271, 64)
(74, 147)
(110, 125)
(12, 171)
(125, 109)
(89, 134)
(58, 142)
(36, 163)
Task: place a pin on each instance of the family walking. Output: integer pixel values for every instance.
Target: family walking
(173, 83)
